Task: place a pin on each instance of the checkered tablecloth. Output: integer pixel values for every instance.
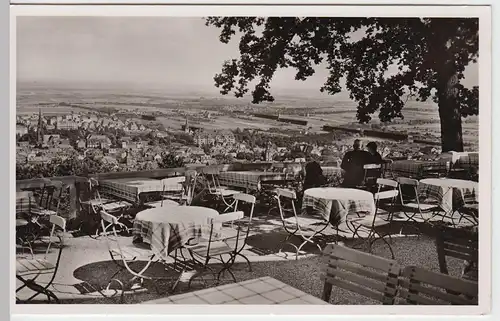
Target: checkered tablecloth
(334, 204)
(177, 228)
(129, 189)
(24, 202)
(331, 171)
(415, 168)
(471, 160)
(450, 193)
(264, 290)
(250, 180)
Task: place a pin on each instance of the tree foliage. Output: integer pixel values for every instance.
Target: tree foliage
(383, 61)
(69, 166)
(171, 161)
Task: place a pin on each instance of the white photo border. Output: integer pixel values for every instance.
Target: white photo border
(485, 143)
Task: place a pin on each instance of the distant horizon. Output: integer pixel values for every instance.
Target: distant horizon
(167, 90)
(178, 54)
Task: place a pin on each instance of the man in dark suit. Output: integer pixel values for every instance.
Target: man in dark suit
(375, 157)
(353, 163)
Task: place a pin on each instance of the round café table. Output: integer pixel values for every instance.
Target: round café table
(170, 227)
(450, 193)
(335, 203)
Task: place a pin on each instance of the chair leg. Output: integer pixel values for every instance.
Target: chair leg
(227, 267)
(38, 289)
(285, 241)
(205, 268)
(248, 261)
(382, 237)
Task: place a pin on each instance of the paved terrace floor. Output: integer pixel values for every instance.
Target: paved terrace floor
(86, 265)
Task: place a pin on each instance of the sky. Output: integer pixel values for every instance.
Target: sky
(174, 53)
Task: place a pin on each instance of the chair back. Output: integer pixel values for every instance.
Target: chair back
(383, 182)
(57, 222)
(387, 182)
(363, 273)
(409, 185)
(91, 187)
(386, 167)
(50, 192)
(456, 243)
(246, 198)
(421, 286)
(175, 188)
(286, 202)
(58, 192)
(173, 182)
(108, 224)
(228, 218)
(211, 175)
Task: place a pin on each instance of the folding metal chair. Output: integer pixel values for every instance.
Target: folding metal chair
(230, 234)
(304, 227)
(469, 211)
(413, 204)
(28, 270)
(371, 173)
(124, 255)
(359, 272)
(216, 249)
(421, 286)
(176, 189)
(460, 244)
(374, 223)
(221, 193)
(386, 168)
(50, 198)
(96, 203)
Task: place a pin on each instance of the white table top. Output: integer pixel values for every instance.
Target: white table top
(177, 214)
(449, 182)
(264, 290)
(24, 194)
(251, 173)
(338, 193)
(134, 181)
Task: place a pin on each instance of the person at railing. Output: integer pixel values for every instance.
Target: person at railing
(314, 176)
(353, 163)
(374, 157)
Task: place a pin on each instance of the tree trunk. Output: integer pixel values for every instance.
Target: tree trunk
(450, 117)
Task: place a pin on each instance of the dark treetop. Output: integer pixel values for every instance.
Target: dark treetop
(430, 55)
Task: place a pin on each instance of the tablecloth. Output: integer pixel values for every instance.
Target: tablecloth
(331, 171)
(334, 204)
(129, 189)
(468, 161)
(24, 202)
(416, 168)
(250, 180)
(450, 193)
(170, 227)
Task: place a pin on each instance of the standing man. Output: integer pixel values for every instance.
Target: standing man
(353, 163)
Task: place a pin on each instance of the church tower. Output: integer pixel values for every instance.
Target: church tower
(186, 126)
(39, 134)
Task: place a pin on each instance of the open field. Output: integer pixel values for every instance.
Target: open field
(419, 117)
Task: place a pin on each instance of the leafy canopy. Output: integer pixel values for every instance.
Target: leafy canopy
(384, 61)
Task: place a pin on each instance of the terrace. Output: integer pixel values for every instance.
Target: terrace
(87, 273)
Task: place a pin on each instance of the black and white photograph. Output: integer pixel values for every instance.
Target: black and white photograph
(252, 159)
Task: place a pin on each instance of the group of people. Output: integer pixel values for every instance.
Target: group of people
(352, 164)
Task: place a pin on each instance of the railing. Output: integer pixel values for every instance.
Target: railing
(75, 182)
